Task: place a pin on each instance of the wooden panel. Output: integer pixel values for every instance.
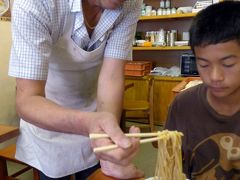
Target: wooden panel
(163, 96)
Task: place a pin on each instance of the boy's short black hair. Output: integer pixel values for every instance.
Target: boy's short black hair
(217, 23)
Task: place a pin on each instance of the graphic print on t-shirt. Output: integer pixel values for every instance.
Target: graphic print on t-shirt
(217, 158)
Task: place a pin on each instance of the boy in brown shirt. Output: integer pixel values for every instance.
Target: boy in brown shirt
(209, 114)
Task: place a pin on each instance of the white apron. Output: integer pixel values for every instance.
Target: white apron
(72, 82)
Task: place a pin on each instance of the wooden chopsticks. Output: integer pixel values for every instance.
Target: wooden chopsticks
(114, 146)
(97, 136)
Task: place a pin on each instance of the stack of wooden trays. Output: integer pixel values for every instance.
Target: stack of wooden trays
(138, 68)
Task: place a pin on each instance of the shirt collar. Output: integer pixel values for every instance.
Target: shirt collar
(75, 5)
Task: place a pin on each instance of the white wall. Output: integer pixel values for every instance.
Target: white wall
(7, 84)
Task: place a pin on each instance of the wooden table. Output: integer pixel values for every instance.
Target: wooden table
(98, 175)
(7, 132)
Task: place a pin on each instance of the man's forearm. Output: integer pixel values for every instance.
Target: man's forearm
(110, 98)
(111, 89)
(48, 115)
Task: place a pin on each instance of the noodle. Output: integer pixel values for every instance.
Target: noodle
(169, 160)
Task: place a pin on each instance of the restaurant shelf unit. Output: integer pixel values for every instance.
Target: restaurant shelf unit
(164, 56)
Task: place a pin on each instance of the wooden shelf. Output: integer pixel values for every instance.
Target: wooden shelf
(162, 48)
(172, 16)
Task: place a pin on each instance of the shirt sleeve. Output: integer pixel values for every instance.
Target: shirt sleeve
(119, 44)
(31, 40)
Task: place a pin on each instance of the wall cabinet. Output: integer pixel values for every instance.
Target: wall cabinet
(161, 56)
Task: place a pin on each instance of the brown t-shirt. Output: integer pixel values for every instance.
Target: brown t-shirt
(211, 142)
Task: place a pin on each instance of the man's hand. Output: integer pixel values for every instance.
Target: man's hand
(124, 169)
(128, 147)
(117, 162)
(120, 172)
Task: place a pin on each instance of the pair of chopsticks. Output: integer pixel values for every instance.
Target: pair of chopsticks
(114, 146)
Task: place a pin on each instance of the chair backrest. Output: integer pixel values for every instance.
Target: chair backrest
(138, 102)
(141, 90)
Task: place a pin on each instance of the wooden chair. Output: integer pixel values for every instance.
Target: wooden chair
(136, 110)
(8, 154)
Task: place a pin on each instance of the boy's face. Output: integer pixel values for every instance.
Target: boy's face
(219, 68)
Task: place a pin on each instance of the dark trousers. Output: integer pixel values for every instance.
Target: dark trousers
(82, 175)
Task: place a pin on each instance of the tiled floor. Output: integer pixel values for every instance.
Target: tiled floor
(145, 160)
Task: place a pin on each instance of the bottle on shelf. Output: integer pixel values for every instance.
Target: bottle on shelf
(148, 37)
(168, 11)
(162, 4)
(167, 4)
(168, 38)
(159, 11)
